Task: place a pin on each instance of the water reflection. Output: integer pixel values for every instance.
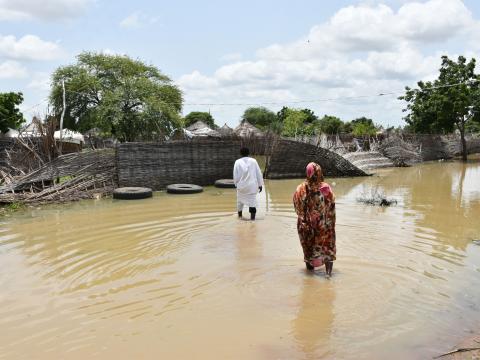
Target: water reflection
(248, 243)
(313, 324)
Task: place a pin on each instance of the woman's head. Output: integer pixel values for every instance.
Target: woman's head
(314, 173)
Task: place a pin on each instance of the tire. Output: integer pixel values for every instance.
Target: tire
(184, 189)
(132, 193)
(225, 183)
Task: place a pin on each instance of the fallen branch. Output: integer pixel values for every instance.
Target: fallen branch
(86, 175)
(457, 351)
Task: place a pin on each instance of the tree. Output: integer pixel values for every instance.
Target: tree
(10, 115)
(472, 127)
(119, 95)
(310, 116)
(363, 127)
(330, 125)
(195, 116)
(282, 114)
(450, 102)
(347, 127)
(294, 123)
(260, 117)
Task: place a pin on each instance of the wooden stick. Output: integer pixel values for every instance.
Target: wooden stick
(457, 351)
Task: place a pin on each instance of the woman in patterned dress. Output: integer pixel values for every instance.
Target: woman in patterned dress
(314, 203)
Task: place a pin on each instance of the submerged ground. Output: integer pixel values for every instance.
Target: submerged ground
(181, 277)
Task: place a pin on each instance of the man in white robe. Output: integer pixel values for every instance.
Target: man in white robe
(248, 180)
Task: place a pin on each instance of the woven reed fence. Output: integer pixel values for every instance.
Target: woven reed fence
(157, 165)
(289, 159)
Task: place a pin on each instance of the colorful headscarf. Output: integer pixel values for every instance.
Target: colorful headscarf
(314, 174)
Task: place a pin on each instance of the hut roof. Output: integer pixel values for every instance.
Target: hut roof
(32, 129)
(245, 129)
(11, 133)
(226, 130)
(69, 136)
(197, 125)
(199, 128)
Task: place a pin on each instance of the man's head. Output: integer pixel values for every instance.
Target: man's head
(244, 151)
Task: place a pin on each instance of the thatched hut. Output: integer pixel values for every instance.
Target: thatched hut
(247, 130)
(226, 131)
(200, 129)
(197, 125)
(34, 129)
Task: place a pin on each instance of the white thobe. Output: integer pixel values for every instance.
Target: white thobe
(247, 178)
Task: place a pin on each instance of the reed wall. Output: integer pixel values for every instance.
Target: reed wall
(156, 165)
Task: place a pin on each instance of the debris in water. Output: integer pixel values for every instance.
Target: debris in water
(376, 197)
(476, 242)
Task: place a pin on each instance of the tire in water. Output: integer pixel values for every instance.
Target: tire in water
(184, 189)
(225, 184)
(132, 193)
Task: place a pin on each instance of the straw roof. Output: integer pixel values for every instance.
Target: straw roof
(197, 125)
(32, 129)
(245, 129)
(226, 130)
(11, 133)
(200, 129)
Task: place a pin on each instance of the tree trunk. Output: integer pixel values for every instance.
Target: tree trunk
(461, 127)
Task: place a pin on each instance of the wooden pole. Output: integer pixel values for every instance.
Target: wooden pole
(61, 118)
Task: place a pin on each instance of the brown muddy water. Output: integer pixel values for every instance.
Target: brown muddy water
(179, 277)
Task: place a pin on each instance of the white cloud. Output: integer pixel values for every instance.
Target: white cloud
(40, 81)
(361, 50)
(12, 70)
(435, 20)
(137, 19)
(109, 51)
(28, 47)
(48, 10)
(366, 28)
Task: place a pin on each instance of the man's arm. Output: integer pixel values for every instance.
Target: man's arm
(258, 174)
(236, 173)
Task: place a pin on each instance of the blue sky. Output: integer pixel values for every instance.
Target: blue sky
(324, 55)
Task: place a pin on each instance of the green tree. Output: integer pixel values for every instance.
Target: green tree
(330, 125)
(310, 116)
(450, 102)
(282, 114)
(363, 127)
(347, 127)
(260, 117)
(294, 123)
(119, 95)
(10, 115)
(472, 127)
(205, 117)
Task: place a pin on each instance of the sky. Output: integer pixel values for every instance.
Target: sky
(334, 57)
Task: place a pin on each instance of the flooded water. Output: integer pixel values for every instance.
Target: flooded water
(180, 277)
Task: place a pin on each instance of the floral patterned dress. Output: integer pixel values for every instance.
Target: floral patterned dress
(314, 203)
